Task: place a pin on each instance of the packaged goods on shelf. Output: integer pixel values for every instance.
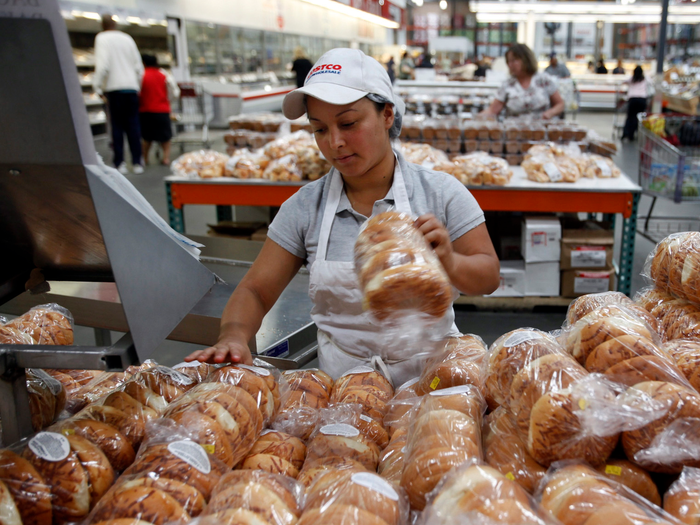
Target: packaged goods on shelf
(267, 122)
(542, 279)
(586, 248)
(544, 167)
(398, 271)
(476, 169)
(205, 164)
(248, 139)
(541, 239)
(423, 154)
(512, 279)
(577, 282)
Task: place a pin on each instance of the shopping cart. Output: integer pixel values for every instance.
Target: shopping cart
(668, 171)
(191, 117)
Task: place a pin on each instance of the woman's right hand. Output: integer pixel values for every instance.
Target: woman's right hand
(224, 351)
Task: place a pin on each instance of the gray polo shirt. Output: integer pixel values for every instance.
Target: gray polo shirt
(297, 224)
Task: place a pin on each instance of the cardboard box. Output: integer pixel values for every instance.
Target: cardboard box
(578, 282)
(512, 280)
(510, 248)
(542, 279)
(587, 249)
(541, 239)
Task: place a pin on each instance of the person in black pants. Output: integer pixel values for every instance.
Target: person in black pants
(124, 118)
(301, 65)
(638, 90)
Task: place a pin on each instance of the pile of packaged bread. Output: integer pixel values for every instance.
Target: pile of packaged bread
(593, 424)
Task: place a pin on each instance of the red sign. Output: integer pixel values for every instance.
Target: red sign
(280, 21)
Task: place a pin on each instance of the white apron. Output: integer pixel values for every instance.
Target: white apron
(347, 335)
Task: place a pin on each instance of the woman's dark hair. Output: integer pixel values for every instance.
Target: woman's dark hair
(149, 60)
(637, 75)
(525, 55)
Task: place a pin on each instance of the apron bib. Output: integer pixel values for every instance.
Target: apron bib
(347, 335)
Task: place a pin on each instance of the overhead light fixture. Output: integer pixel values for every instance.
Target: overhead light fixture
(443, 4)
(134, 20)
(418, 2)
(86, 14)
(355, 13)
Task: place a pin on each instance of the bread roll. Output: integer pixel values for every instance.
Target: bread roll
(687, 327)
(461, 363)
(42, 401)
(344, 441)
(282, 487)
(165, 381)
(102, 385)
(123, 521)
(145, 396)
(239, 394)
(257, 497)
(188, 497)
(270, 463)
(306, 393)
(100, 472)
(618, 349)
(70, 385)
(12, 336)
(293, 377)
(371, 404)
(233, 517)
(620, 513)
(373, 430)
(31, 494)
(45, 325)
(651, 297)
(585, 304)
(9, 515)
(505, 451)
(391, 462)
(686, 354)
(110, 441)
(399, 408)
(132, 428)
(130, 406)
(270, 381)
(142, 503)
(682, 500)
(633, 477)
(444, 428)
(317, 469)
(195, 370)
(62, 470)
(345, 514)
(281, 445)
(209, 433)
(251, 383)
(361, 377)
(645, 368)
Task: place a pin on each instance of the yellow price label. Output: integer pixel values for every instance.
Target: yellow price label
(209, 448)
(613, 469)
(582, 404)
(510, 476)
(434, 383)
(68, 431)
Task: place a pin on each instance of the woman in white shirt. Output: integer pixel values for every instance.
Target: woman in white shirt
(639, 89)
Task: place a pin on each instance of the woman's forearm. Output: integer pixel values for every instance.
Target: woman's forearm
(243, 315)
(477, 274)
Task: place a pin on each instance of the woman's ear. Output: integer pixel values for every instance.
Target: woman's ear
(388, 114)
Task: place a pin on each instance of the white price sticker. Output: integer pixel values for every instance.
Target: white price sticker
(521, 337)
(588, 257)
(375, 483)
(604, 168)
(591, 284)
(552, 172)
(339, 429)
(184, 364)
(50, 446)
(461, 389)
(191, 453)
(255, 369)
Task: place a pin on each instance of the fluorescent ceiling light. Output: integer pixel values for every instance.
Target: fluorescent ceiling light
(86, 14)
(134, 19)
(356, 13)
(443, 4)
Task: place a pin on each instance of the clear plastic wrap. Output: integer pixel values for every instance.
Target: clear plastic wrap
(132, 427)
(650, 297)
(245, 164)
(445, 433)
(399, 408)
(461, 361)
(284, 169)
(674, 265)
(70, 385)
(277, 453)
(196, 370)
(307, 391)
(505, 451)
(47, 398)
(365, 387)
(633, 477)
(391, 461)
(686, 354)
(341, 441)
(597, 166)
(270, 499)
(30, 493)
(47, 324)
(479, 494)
(311, 162)
(260, 383)
(287, 144)
(575, 494)
(345, 498)
(102, 385)
(682, 499)
(510, 353)
(585, 304)
(544, 168)
(423, 154)
(205, 164)
(77, 472)
(398, 271)
(479, 168)
(165, 381)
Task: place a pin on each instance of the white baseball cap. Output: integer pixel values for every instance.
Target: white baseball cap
(342, 76)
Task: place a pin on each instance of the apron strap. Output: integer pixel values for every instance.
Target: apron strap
(378, 364)
(334, 194)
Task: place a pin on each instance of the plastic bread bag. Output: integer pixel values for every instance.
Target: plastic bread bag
(75, 470)
(605, 323)
(686, 354)
(460, 362)
(342, 441)
(677, 318)
(197, 371)
(70, 385)
(650, 296)
(311, 161)
(401, 405)
(509, 354)
(575, 494)
(391, 462)
(600, 167)
(307, 392)
(478, 494)
(400, 274)
(285, 145)
(547, 149)
(674, 265)
(246, 496)
(423, 154)
(47, 398)
(47, 324)
(102, 385)
(165, 381)
(585, 304)
(283, 169)
(13, 336)
(244, 164)
(205, 164)
(445, 433)
(545, 168)
(633, 477)
(682, 499)
(675, 446)
(277, 453)
(261, 383)
(481, 168)
(26, 496)
(366, 387)
(345, 498)
(458, 171)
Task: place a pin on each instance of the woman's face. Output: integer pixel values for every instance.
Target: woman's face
(354, 138)
(515, 65)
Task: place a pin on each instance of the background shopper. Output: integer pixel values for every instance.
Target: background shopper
(639, 89)
(158, 88)
(301, 65)
(118, 74)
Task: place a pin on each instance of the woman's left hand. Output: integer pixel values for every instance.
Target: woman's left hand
(546, 115)
(437, 236)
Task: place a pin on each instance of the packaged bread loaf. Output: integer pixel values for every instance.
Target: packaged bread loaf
(587, 303)
(254, 497)
(311, 162)
(342, 441)
(633, 477)
(259, 382)
(47, 324)
(544, 168)
(366, 387)
(682, 499)
(423, 154)
(460, 362)
(476, 493)
(674, 265)
(307, 391)
(47, 398)
(397, 269)
(480, 168)
(277, 453)
(354, 498)
(103, 384)
(24, 491)
(391, 462)
(205, 164)
(286, 145)
(575, 494)
(245, 164)
(401, 405)
(283, 169)
(686, 354)
(597, 166)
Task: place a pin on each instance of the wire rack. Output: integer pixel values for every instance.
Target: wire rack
(664, 169)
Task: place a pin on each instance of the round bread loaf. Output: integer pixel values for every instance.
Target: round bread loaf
(444, 428)
(251, 383)
(111, 442)
(314, 374)
(273, 483)
(269, 379)
(42, 403)
(620, 513)
(371, 404)
(196, 371)
(633, 477)
(555, 432)
(145, 396)
(216, 411)
(281, 445)
(255, 497)
(345, 514)
(467, 371)
(373, 429)
(100, 472)
(70, 385)
(687, 327)
(391, 462)
(132, 428)
(661, 261)
(9, 515)
(213, 390)
(188, 497)
(30, 493)
(142, 503)
(270, 463)
(102, 385)
(363, 377)
(207, 432)
(645, 368)
(129, 405)
(315, 470)
(618, 349)
(165, 381)
(63, 473)
(682, 502)
(343, 441)
(585, 304)
(686, 354)
(651, 297)
(305, 392)
(123, 521)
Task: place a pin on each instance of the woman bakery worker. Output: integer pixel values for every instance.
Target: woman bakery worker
(526, 92)
(354, 115)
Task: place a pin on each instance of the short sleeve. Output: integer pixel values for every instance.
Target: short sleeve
(462, 212)
(502, 93)
(289, 227)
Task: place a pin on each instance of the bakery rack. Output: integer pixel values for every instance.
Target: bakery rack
(76, 232)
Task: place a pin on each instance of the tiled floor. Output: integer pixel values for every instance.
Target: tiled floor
(489, 325)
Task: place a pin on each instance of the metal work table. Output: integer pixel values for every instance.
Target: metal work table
(287, 334)
(607, 196)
